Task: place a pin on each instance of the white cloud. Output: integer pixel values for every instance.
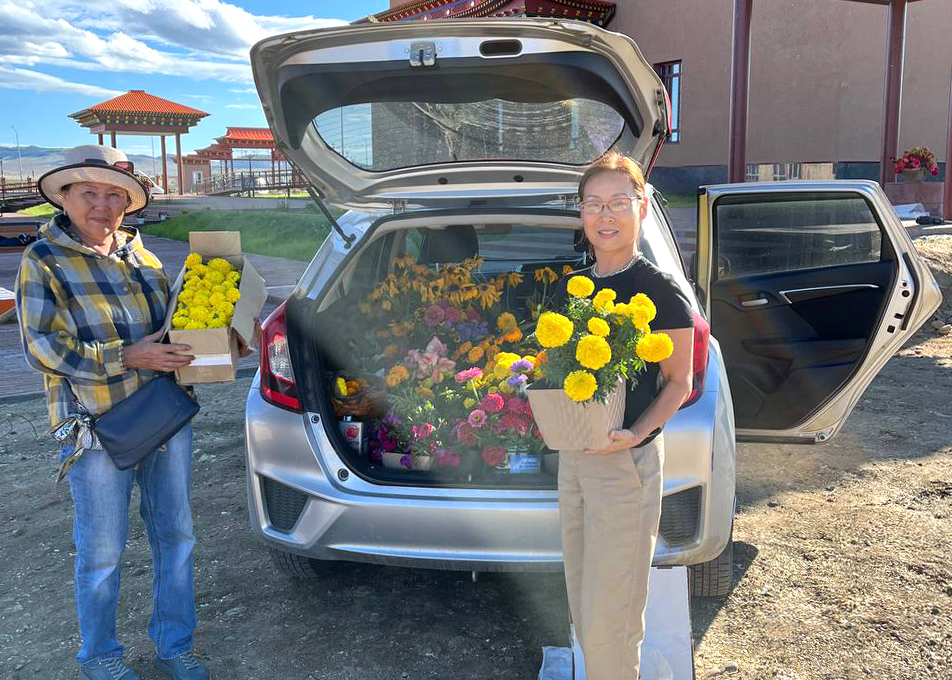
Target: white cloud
(198, 39)
(249, 107)
(24, 79)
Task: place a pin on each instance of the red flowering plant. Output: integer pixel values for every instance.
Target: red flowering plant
(917, 158)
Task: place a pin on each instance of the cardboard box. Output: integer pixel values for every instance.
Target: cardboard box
(216, 349)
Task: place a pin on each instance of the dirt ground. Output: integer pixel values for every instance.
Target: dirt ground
(842, 561)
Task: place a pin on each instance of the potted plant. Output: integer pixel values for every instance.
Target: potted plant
(591, 347)
(915, 163)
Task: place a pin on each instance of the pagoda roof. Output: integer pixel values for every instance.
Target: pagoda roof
(140, 101)
(247, 134)
(595, 11)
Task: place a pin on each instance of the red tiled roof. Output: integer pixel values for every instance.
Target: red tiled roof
(139, 101)
(246, 134)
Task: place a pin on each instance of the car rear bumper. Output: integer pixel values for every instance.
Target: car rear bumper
(298, 502)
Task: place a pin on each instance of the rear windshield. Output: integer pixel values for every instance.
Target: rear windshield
(392, 135)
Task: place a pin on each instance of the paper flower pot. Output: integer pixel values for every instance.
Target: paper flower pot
(392, 461)
(566, 425)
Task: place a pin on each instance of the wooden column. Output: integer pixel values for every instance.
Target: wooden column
(740, 78)
(112, 137)
(100, 139)
(165, 167)
(895, 47)
(947, 189)
(178, 164)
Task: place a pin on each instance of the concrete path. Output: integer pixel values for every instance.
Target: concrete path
(21, 381)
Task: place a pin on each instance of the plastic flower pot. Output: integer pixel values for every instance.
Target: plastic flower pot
(392, 460)
(567, 425)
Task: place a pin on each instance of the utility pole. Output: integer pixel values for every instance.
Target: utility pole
(19, 159)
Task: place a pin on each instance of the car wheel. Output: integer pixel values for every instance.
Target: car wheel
(714, 578)
(295, 565)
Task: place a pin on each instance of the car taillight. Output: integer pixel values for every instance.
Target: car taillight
(702, 339)
(277, 378)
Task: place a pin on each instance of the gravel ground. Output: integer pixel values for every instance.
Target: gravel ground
(842, 561)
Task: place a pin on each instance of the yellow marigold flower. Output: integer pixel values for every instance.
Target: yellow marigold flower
(506, 321)
(492, 351)
(215, 298)
(469, 402)
(179, 322)
(580, 385)
(192, 284)
(396, 375)
(642, 300)
(475, 354)
(214, 276)
(233, 276)
(503, 361)
(195, 325)
(218, 321)
(224, 308)
(192, 260)
(598, 327)
(199, 313)
(191, 274)
(655, 347)
(220, 264)
(391, 350)
(205, 284)
(232, 295)
(593, 352)
(218, 288)
(515, 335)
(640, 316)
(554, 330)
(604, 298)
(227, 284)
(186, 295)
(580, 286)
(200, 299)
(340, 383)
(566, 269)
(200, 269)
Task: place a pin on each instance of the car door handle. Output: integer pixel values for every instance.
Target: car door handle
(755, 302)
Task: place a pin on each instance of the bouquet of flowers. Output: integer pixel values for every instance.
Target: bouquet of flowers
(209, 294)
(917, 158)
(590, 347)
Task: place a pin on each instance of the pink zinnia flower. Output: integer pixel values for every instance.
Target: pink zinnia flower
(516, 405)
(494, 455)
(477, 418)
(469, 374)
(492, 403)
(423, 431)
(464, 433)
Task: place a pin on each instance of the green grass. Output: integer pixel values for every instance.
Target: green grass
(279, 233)
(42, 210)
(681, 200)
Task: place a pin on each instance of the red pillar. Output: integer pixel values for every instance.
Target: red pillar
(100, 139)
(740, 77)
(947, 189)
(895, 47)
(112, 137)
(165, 167)
(178, 164)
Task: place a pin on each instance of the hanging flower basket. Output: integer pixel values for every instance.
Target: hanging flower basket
(568, 425)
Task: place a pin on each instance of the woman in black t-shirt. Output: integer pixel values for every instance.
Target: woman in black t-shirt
(610, 499)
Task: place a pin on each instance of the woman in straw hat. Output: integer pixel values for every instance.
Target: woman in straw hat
(90, 302)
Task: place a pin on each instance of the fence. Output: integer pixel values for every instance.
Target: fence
(251, 182)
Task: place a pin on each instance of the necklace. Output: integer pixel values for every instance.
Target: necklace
(625, 267)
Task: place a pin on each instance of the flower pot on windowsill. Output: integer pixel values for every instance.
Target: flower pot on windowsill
(395, 461)
(918, 175)
(567, 425)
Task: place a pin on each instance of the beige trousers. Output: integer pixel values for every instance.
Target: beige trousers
(609, 508)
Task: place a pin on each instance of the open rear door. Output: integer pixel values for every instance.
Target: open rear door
(810, 288)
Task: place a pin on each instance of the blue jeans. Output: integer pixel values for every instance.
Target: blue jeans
(101, 494)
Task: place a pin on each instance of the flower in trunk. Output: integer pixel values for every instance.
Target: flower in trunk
(494, 455)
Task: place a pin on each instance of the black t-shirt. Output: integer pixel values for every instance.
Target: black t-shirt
(674, 311)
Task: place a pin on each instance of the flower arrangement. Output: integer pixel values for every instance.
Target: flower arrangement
(208, 295)
(917, 158)
(595, 341)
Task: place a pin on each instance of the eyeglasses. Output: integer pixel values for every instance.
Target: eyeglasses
(621, 204)
(122, 165)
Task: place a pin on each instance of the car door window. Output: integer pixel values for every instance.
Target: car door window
(777, 233)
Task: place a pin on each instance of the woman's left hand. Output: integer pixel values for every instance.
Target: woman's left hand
(246, 349)
(621, 440)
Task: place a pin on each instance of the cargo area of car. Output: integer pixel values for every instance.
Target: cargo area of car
(387, 358)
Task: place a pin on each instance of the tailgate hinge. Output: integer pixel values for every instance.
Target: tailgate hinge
(319, 200)
(422, 53)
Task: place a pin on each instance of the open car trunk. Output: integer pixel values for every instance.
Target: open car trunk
(385, 348)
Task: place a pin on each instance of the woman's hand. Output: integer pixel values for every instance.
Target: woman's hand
(149, 353)
(245, 350)
(621, 440)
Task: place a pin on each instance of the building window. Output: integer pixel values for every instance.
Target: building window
(670, 73)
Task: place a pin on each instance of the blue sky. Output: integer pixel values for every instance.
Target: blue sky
(61, 56)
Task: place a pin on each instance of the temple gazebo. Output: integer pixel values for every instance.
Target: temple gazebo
(223, 151)
(142, 114)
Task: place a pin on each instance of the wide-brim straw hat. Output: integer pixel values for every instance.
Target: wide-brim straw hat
(94, 163)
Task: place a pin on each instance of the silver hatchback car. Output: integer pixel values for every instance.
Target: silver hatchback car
(453, 139)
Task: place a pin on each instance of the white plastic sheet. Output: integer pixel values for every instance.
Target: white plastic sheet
(666, 653)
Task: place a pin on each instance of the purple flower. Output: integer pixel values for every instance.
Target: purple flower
(477, 418)
(406, 461)
(434, 316)
(520, 366)
(517, 380)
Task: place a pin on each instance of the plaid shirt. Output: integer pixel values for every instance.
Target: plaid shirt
(77, 309)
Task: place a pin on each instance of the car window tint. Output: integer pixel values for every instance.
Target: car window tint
(382, 136)
(776, 233)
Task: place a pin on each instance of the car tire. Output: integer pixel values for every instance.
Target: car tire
(714, 578)
(294, 565)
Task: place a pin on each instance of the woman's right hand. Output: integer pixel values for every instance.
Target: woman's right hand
(151, 354)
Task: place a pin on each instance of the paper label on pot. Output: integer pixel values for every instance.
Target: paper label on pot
(525, 464)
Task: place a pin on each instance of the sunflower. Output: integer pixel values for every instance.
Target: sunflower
(546, 275)
(488, 295)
